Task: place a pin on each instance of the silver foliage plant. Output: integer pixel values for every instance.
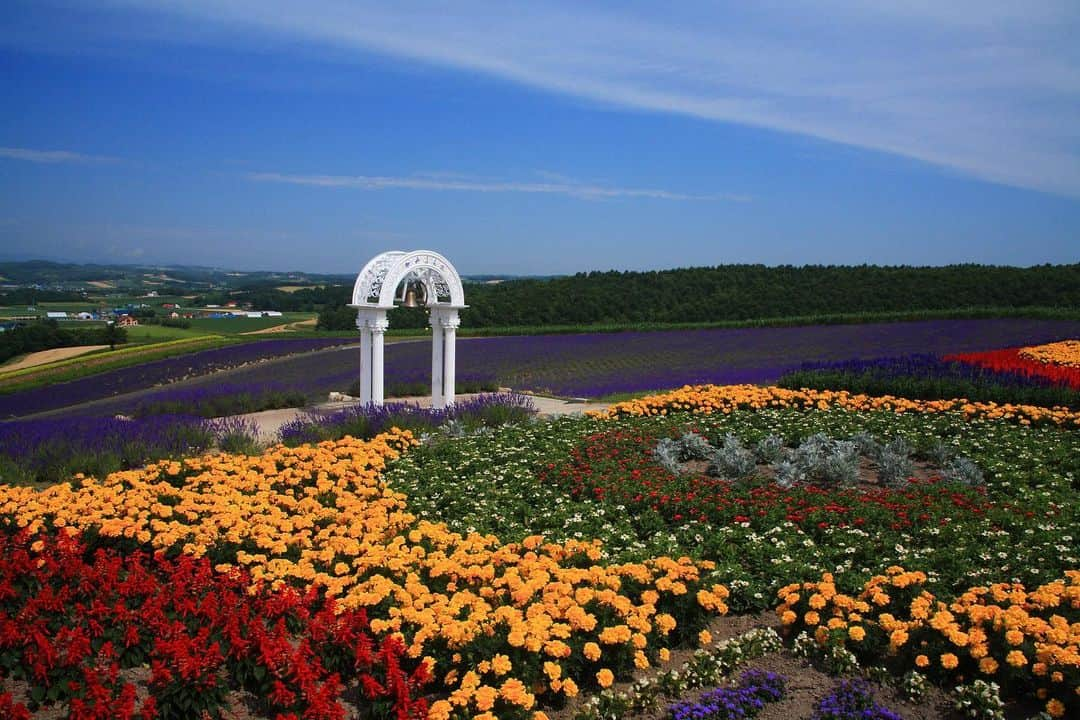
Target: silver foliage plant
(770, 449)
(731, 459)
(817, 459)
(667, 453)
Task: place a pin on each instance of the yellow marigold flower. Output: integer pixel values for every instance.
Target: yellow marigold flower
(553, 670)
(569, 688)
(640, 661)
(1055, 708)
(789, 617)
(500, 665)
(704, 637)
(605, 677)
(988, 666)
(1016, 658)
(856, 633)
(514, 691)
(1014, 637)
(897, 638)
(811, 618)
(591, 651)
(440, 710)
(485, 697)
(664, 654)
(817, 601)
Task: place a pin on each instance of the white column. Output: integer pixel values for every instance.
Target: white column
(437, 398)
(377, 329)
(450, 325)
(365, 357)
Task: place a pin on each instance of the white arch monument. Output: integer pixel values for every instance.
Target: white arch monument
(373, 294)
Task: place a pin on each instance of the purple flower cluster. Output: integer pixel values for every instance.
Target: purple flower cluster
(154, 373)
(748, 698)
(925, 366)
(929, 377)
(852, 700)
(215, 400)
(366, 421)
(53, 449)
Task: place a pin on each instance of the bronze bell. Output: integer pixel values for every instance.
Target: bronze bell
(414, 294)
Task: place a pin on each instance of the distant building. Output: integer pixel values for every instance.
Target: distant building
(52, 315)
(85, 316)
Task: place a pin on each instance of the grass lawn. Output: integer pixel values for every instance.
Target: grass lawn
(141, 334)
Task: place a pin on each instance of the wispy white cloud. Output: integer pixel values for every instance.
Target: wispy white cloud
(52, 156)
(460, 183)
(986, 88)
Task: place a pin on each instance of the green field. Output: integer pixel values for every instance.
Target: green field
(141, 334)
(232, 326)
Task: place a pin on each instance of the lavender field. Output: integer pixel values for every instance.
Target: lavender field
(599, 364)
(155, 373)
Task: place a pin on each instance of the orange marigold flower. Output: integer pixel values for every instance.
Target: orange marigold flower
(1016, 658)
(605, 677)
(949, 661)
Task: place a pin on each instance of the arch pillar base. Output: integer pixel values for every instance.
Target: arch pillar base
(372, 324)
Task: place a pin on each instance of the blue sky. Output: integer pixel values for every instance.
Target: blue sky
(537, 138)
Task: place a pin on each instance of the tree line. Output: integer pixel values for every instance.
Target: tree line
(47, 335)
(744, 292)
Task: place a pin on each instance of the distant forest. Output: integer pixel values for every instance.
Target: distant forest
(745, 292)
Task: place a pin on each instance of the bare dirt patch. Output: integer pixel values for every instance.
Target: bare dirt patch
(44, 357)
(286, 327)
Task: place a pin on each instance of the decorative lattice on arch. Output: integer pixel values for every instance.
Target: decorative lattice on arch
(378, 282)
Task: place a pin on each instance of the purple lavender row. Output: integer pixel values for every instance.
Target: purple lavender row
(51, 450)
(153, 373)
(926, 366)
(747, 699)
(928, 377)
(593, 365)
(365, 421)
